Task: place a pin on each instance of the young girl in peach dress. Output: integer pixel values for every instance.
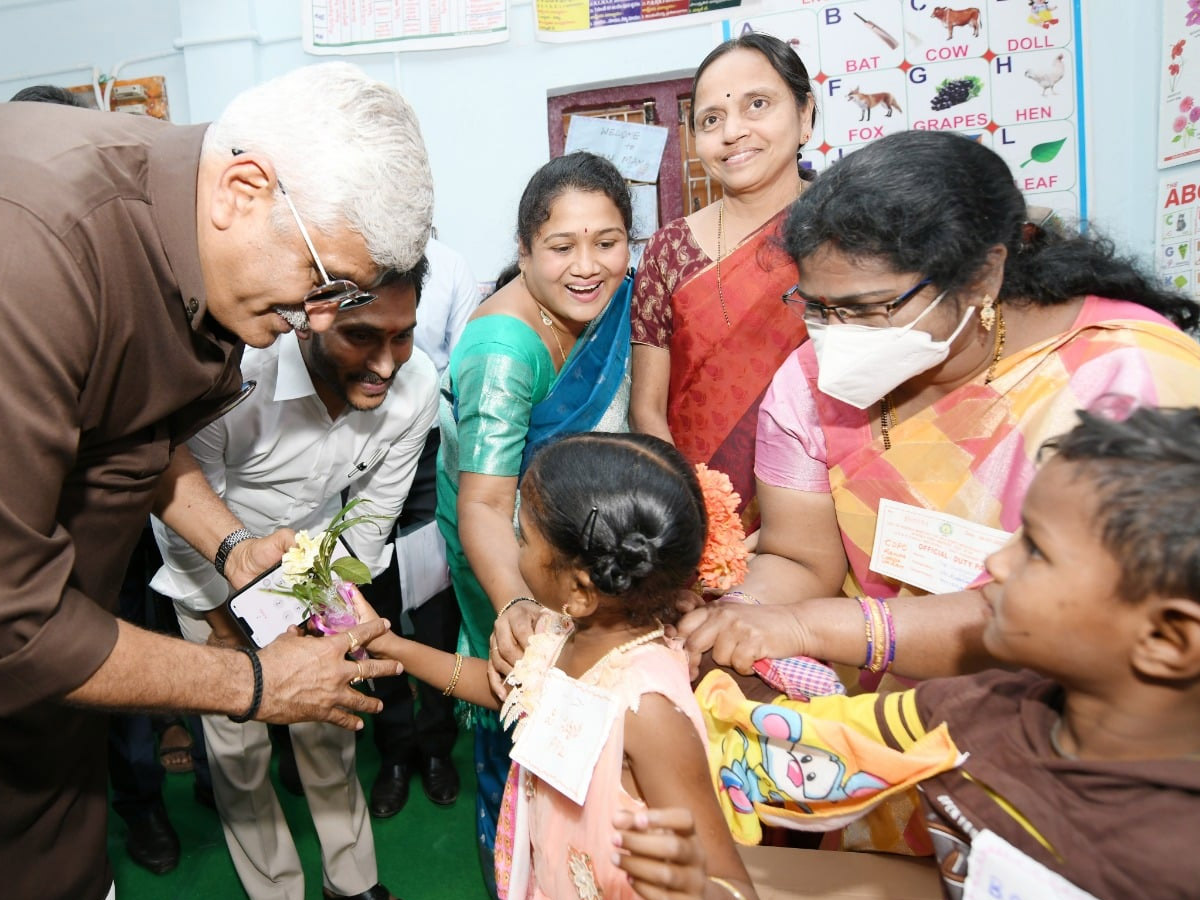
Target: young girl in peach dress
(611, 526)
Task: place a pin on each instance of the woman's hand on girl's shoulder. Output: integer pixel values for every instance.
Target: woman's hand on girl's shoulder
(510, 634)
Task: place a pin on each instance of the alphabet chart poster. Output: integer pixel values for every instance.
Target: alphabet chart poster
(1177, 235)
(1005, 72)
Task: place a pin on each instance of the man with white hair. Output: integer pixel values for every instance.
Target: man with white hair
(138, 257)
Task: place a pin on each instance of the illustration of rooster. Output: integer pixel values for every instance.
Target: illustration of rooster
(1050, 77)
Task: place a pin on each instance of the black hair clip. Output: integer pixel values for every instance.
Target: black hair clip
(589, 529)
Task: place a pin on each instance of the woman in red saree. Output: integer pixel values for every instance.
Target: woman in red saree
(708, 328)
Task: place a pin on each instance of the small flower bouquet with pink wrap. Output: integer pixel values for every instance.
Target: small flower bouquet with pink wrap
(323, 582)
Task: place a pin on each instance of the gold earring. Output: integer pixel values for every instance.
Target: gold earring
(987, 313)
(566, 613)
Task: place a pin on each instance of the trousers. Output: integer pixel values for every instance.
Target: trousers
(256, 832)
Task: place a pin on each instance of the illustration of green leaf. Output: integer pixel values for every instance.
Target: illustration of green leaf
(1180, 282)
(1177, 139)
(1044, 153)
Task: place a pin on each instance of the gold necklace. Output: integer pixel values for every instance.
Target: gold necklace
(887, 408)
(553, 330)
(720, 243)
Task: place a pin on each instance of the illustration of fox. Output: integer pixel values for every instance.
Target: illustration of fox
(867, 102)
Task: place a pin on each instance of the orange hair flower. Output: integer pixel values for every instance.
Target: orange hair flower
(723, 562)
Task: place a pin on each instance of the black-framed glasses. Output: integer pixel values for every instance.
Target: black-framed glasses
(814, 311)
(339, 292)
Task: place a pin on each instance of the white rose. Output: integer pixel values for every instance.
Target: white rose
(298, 561)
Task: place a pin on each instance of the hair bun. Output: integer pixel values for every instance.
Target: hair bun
(634, 558)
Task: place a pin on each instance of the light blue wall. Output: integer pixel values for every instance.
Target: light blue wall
(483, 110)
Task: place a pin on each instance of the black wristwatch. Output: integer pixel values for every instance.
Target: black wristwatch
(231, 540)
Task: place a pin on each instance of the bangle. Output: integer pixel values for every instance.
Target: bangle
(890, 632)
(881, 634)
(869, 629)
(741, 597)
(256, 699)
(231, 540)
(733, 892)
(513, 602)
(458, 658)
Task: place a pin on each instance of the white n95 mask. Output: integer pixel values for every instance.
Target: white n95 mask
(860, 365)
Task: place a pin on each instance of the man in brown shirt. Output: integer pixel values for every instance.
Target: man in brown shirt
(136, 259)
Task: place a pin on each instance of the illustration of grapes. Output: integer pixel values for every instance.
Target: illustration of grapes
(953, 91)
(1044, 153)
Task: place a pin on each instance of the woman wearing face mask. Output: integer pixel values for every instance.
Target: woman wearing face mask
(949, 339)
(708, 329)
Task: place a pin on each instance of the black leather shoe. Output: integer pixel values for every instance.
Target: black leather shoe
(152, 842)
(440, 780)
(389, 793)
(379, 892)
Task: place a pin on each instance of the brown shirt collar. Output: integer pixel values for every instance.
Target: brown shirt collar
(174, 169)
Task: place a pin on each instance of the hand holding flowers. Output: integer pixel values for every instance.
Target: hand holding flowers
(322, 582)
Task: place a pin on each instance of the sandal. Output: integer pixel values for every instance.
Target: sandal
(175, 749)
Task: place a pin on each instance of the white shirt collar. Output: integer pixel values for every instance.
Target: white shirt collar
(293, 380)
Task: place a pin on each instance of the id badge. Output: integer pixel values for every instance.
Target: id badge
(561, 740)
(996, 870)
(931, 550)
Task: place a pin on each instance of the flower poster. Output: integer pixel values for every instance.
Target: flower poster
(1179, 104)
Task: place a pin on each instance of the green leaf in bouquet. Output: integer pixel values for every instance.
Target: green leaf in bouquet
(1044, 153)
(352, 570)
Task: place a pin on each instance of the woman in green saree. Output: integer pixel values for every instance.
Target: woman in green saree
(547, 354)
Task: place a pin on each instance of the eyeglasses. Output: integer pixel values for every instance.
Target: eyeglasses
(341, 292)
(815, 311)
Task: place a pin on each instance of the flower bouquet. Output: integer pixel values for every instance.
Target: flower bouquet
(723, 561)
(322, 582)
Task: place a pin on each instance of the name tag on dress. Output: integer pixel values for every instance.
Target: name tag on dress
(561, 740)
(999, 871)
(931, 550)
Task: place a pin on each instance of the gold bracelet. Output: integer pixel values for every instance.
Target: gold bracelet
(513, 602)
(454, 678)
(733, 892)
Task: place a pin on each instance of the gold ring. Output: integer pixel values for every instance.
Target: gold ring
(357, 679)
(353, 641)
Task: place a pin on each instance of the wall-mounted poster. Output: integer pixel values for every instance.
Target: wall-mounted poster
(1179, 97)
(1006, 73)
(351, 26)
(583, 20)
(1177, 235)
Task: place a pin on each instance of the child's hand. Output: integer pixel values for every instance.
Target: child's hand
(661, 852)
(363, 611)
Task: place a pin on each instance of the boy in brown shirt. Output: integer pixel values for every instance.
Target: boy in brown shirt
(1088, 762)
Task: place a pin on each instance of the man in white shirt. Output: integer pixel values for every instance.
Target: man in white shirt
(345, 411)
(451, 294)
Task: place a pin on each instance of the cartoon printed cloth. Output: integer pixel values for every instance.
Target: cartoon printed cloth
(815, 765)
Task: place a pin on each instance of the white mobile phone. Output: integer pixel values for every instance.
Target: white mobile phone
(264, 614)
